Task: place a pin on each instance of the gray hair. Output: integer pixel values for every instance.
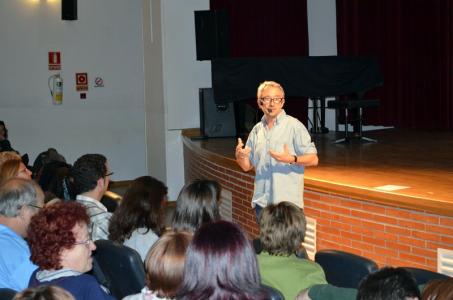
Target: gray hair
(266, 84)
(16, 193)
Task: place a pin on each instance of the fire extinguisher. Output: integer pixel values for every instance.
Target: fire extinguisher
(56, 89)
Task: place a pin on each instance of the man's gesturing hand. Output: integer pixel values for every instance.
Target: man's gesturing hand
(284, 157)
(242, 152)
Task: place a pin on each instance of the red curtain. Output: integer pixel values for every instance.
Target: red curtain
(267, 28)
(413, 40)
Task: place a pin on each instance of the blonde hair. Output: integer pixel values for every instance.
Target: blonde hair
(9, 169)
(266, 84)
(7, 155)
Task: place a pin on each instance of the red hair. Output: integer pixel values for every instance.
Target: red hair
(50, 232)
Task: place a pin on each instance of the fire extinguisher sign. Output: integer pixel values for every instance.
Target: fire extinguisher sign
(54, 61)
(81, 81)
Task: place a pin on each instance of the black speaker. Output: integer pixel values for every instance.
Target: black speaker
(215, 120)
(69, 10)
(212, 34)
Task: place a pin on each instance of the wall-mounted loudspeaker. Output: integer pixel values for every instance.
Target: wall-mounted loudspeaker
(212, 34)
(69, 10)
(215, 120)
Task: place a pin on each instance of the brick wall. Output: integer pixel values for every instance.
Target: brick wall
(388, 235)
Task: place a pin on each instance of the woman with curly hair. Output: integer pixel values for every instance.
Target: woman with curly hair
(138, 221)
(61, 247)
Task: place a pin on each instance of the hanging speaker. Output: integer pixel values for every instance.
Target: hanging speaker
(215, 120)
(212, 34)
(69, 10)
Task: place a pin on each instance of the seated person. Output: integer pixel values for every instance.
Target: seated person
(221, 264)
(282, 231)
(20, 199)
(138, 221)
(164, 267)
(14, 168)
(61, 246)
(45, 292)
(438, 289)
(197, 203)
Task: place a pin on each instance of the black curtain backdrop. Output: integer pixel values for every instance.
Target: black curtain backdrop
(266, 28)
(413, 41)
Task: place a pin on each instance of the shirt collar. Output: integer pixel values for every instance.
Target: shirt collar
(279, 118)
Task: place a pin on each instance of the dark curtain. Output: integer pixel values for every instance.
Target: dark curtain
(413, 41)
(265, 28)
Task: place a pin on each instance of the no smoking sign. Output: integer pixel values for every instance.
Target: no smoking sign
(81, 81)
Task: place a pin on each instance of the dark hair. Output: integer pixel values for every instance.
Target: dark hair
(44, 292)
(221, 264)
(197, 204)
(87, 170)
(165, 263)
(438, 289)
(388, 284)
(282, 228)
(6, 129)
(51, 231)
(142, 207)
(54, 179)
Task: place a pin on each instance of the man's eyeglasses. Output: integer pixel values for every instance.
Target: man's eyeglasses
(268, 100)
(109, 174)
(35, 206)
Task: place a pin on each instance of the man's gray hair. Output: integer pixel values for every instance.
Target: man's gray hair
(266, 84)
(14, 194)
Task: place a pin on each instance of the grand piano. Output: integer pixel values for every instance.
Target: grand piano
(317, 77)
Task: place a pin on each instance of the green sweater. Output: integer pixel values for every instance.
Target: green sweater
(289, 274)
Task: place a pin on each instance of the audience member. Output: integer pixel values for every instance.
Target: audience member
(14, 168)
(389, 284)
(282, 231)
(197, 204)
(61, 246)
(45, 292)
(55, 182)
(20, 199)
(164, 267)
(5, 145)
(7, 155)
(221, 264)
(91, 177)
(138, 221)
(43, 158)
(438, 289)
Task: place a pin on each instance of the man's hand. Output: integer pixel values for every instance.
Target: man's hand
(284, 157)
(242, 152)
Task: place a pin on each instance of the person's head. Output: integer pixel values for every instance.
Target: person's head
(20, 199)
(197, 204)
(282, 228)
(3, 131)
(142, 207)
(54, 179)
(44, 292)
(59, 238)
(438, 289)
(91, 174)
(7, 155)
(14, 168)
(270, 98)
(388, 284)
(165, 263)
(220, 264)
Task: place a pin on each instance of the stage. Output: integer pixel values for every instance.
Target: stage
(391, 201)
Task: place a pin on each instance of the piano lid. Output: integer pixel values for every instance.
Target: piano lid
(235, 79)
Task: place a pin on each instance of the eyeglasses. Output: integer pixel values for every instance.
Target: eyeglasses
(35, 206)
(268, 100)
(86, 243)
(109, 174)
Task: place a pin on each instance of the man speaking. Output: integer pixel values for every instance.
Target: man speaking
(279, 147)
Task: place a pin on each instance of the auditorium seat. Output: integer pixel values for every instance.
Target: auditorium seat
(422, 276)
(119, 268)
(344, 269)
(273, 293)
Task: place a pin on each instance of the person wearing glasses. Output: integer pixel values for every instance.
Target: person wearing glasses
(91, 177)
(61, 246)
(20, 199)
(279, 147)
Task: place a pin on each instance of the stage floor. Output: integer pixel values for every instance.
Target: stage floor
(418, 164)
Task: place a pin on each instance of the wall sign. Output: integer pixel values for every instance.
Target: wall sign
(81, 81)
(54, 60)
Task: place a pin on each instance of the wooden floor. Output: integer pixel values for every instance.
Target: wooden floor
(419, 161)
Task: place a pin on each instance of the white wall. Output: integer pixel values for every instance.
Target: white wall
(105, 41)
